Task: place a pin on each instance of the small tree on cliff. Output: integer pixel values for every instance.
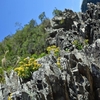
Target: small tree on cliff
(42, 16)
(57, 12)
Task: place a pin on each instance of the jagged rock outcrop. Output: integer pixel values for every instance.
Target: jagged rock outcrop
(65, 21)
(78, 76)
(84, 4)
(77, 79)
(83, 26)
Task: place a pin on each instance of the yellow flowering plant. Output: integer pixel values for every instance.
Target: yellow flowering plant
(54, 49)
(9, 97)
(26, 67)
(58, 62)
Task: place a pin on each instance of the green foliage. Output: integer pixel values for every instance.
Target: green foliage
(67, 50)
(2, 69)
(32, 23)
(42, 16)
(78, 44)
(46, 23)
(62, 21)
(25, 42)
(36, 56)
(18, 25)
(29, 40)
(2, 79)
(57, 12)
(86, 41)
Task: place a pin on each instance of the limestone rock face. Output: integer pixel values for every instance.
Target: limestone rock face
(85, 2)
(77, 79)
(78, 76)
(80, 26)
(64, 21)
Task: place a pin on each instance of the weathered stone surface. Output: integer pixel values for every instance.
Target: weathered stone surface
(64, 21)
(76, 80)
(76, 25)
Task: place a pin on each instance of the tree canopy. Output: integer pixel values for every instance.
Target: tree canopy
(42, 16)
(57, 12)
(29, 40)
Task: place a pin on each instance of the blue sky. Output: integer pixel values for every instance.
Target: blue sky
(22, 11)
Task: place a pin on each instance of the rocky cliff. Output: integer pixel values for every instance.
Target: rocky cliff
(84, 4)
(77, 77)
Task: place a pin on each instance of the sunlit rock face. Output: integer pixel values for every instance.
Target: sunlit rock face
(85, 2)
(78, 75)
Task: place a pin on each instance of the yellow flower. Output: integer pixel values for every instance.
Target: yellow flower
(58, 59)
(31, 59)
(34, 68)
(38, 65)
(9, 97)
(27, 67)
(15, 69)
(35, 64)
(56, 50)
(21, 69)
(53, 46)
(25, 59)
(23, 75)
(18, 73)
(35, 61)
(21, 62)
(58, 63)
(48, 48)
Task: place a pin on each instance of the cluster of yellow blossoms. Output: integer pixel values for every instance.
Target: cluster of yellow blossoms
(9, 97)
(54, 49)
(29, 65)
(26, 67)
(58, 62)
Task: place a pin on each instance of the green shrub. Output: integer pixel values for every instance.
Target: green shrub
(86, 41)
(62, 21)
(78, 44)
(2, 79)
(2, 69)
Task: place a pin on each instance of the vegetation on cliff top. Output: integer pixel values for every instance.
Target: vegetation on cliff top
(28, 41)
